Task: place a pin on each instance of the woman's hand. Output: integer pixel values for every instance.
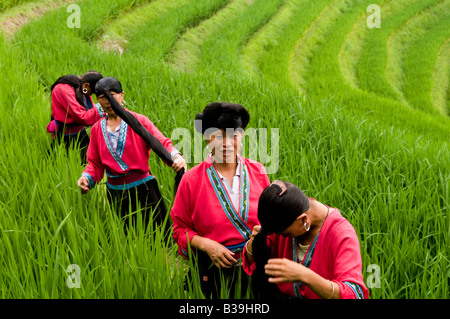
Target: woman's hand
(221, 256)
(285, 270)
(83, 183)
(179, 163)
(249, 244)
(255, 232)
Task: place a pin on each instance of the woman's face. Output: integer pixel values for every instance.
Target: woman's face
(225, 145)
(106, 106)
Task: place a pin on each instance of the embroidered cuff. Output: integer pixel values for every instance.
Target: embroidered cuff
(357, 290)
(175, 152)
(100, 110)
(90, 179)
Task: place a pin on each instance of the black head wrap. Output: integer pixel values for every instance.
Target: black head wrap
(91, 77)
(221, 115)
(104, 86)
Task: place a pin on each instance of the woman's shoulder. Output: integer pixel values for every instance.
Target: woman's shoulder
(62, 88)
(192, 178)
(253, 165)
(140, 116)
(257, 172)
(96, 127)
(193, 173)
(338, 226)
(135, 114)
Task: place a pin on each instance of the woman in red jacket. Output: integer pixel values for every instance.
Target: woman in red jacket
(73, 109)
(215, 207)
(306, 248)
(117, 149)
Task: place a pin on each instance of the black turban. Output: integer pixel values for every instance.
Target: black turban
(221, 115)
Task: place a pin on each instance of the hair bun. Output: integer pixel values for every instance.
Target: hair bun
(108, 84)
(222, 115)
(198, 123)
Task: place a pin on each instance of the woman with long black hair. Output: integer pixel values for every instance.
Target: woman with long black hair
(123, 151)
(306, 248)
(73, 109)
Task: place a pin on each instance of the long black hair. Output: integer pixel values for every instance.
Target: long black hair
(107, 84)
(222, 115)
(75, 82)
(278, 207)
(91, 77)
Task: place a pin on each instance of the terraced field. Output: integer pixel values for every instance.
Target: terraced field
(362, 113)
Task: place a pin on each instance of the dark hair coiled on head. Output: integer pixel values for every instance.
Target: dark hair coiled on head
(91, 77)
(105, 85)
(275, 213)
(75, 82)
(108, 84)
(222, 115)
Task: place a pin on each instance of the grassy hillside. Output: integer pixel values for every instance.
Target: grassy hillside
(362, 114)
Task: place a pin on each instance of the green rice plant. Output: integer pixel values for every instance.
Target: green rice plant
(116, 35)
(325, 81)
(267, 53)
(171, 26)
(418, 64)
(399, 42)
(384, 166)
(8, 4)
(213, 44)
(441, 76)
(223, 52)
(371, 64)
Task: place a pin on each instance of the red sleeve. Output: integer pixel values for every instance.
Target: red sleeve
(94, 170)
(348, 264)
(249, 267)
(181, 214)
(64, 95)
(165, 141)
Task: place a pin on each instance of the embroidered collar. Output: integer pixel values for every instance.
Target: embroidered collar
(118, 152)
(238, 217)
(238, 169)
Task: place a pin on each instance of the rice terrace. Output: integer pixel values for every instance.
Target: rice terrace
(348, 99)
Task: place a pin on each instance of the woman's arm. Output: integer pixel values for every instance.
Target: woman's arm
(221, 256)
(94, 170)
(347, 280)
(285, 270)
(64, 94)
(178, 160)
